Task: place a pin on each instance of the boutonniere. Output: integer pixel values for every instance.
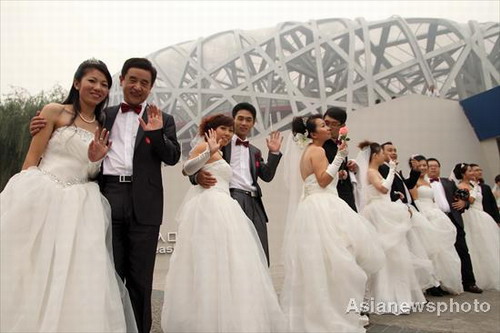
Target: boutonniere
(148, 141)
(257, 159)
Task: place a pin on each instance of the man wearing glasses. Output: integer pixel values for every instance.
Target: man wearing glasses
(335, 118)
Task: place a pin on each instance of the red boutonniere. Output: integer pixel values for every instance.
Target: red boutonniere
(257, 160)
(148, 141)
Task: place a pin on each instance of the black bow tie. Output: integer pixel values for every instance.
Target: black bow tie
(434, 180)
(126, 108)
(240, 142)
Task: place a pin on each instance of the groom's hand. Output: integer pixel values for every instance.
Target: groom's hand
(37, 123)
(205, 179)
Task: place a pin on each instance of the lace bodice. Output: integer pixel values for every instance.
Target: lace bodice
(222, 171)
(65, 159)
(311, 186)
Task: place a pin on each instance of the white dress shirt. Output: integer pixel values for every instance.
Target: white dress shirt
(118, 161)
(240, 164)
(440, 196)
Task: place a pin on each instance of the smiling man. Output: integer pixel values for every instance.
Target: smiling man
(248, 165)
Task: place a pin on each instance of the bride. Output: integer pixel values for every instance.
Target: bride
(57, 271)
(218, 280)
(395, 286)
(440, 235)
(481, 232)
(329, 249)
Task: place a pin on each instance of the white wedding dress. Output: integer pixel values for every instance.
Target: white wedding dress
(482, 237)
(439, 241)
(218, 279)
(395, 286)
(57, 271)
(328, 252)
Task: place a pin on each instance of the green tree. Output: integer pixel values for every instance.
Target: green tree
(16, 110)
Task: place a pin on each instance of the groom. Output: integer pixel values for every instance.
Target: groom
(143, 137)
(248, 165)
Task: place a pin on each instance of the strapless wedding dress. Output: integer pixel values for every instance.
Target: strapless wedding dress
(57, 271)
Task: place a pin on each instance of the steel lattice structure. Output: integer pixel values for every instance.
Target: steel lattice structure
(301, 68)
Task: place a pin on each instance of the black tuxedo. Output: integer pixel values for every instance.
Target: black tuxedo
(253, 205)
(137, 209)
(489, 202)
(399, 183)
(455, 216)
(344, 187)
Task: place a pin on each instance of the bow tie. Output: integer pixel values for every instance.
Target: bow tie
(434, 180)
(126, 108)
(240, 142)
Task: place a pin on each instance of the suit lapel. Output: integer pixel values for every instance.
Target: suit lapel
(226, 153)
(253, 170)
(140, 131)
(111, 116)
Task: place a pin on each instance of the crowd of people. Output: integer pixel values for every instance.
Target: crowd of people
(80, 222)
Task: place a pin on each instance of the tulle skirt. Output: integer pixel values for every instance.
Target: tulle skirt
(482, 237)
(395, 286)
(57, 271)
(328, 252)
(218, 279)
(439, 237)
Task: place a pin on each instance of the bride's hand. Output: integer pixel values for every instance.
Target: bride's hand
(342, 149)
(99, 146)
(213, 144)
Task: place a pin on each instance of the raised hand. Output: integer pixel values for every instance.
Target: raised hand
(414, 164)
(99, 146)
(393, 164)
(213, 144)
(155, 119)
(37, 123)
(274, 142)
(342, 148)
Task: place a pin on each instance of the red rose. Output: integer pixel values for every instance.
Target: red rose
(257, 160)
(148, 141)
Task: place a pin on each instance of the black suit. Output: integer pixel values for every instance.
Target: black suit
(399, 183)
(253, 206)
(137, 209)
(455, 216)
(344, 187)
(489, 202)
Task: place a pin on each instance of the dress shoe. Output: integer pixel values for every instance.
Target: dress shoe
(473, 289)
(444, 292)
(434, 291)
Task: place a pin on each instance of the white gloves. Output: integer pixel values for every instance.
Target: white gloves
(193, 165)
(333, 167)
(387, 183)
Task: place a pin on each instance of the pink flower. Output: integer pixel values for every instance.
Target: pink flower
(343, 131)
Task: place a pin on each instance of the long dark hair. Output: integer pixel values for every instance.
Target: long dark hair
(74, 95)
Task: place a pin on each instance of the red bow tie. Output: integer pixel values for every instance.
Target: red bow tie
(242, 143)
(434, 180)
(126, 108)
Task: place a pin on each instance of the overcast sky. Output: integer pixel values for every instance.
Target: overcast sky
(42, 42)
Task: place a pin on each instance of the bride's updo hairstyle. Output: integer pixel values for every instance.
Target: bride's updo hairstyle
(214, 121)
(374, 147)
(459, 170)
(305, 125)
(74, 95)
(417, 158)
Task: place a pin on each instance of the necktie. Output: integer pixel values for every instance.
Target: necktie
(126, 108)
(242, 143)
(434, 180)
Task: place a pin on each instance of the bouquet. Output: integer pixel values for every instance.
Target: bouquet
(343, 131)
(461, 194)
